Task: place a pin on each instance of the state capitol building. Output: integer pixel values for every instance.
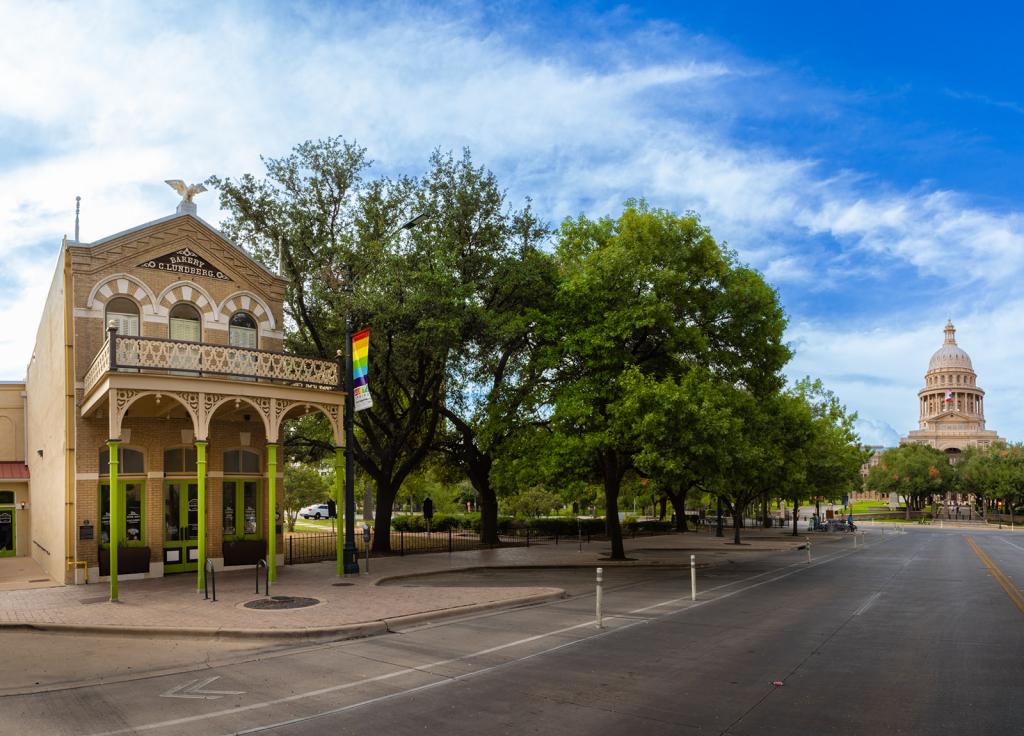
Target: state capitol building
(951, 404)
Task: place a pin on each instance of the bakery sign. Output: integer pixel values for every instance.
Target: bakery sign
(186, 263)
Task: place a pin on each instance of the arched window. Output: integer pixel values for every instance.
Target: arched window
(124, 313)
(242, 330)
(129, 461)
(185, 323)
(244, 462)
(180, 460)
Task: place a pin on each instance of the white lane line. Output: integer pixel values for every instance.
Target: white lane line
(867, 604)
(423, 669)
(1011, 544)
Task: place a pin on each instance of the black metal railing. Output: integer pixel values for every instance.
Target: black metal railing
(322, 546)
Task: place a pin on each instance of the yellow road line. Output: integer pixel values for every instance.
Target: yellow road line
(1011, 590)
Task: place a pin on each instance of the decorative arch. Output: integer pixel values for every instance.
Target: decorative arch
(122, 284)
(247, 301)
(193, 293)
(333, 412)
(121, 401)
(212, 402)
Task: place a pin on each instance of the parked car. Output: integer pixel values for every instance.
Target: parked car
(315, 511)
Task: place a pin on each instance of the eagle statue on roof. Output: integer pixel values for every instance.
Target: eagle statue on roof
(187, 191)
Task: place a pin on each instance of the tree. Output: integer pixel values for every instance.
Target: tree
(916, 472)
(682, 429)
(834, 455)
(336, 238)
(653, 292)
(303, 485)
(506, 284)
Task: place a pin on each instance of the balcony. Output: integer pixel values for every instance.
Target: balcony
(129, 354)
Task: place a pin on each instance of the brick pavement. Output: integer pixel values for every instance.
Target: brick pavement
(358, 605)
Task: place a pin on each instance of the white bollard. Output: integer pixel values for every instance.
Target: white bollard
(600, 619)
(693, 577)
(808, 550)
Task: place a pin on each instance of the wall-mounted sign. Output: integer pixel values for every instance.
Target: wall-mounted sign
(187, 263)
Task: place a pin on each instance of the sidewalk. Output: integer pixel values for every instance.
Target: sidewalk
(355, 605)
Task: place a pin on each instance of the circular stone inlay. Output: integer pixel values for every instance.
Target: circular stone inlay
(281, 602)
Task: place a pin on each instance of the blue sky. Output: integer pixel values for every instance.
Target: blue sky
(865, 159)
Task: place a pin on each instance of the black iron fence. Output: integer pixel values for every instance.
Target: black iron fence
(321, 546)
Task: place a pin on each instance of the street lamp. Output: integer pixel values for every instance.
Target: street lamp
(350, 555)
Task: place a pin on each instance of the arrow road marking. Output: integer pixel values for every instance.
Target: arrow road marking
(194, 689)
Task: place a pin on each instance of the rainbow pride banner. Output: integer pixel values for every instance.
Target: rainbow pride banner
(360, 363)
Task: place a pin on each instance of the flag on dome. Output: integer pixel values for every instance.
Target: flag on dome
(360, 362)
(949, 397)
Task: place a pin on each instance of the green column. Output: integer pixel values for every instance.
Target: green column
(115, 516)
(201, 482)
(272, 511)
(339, 470)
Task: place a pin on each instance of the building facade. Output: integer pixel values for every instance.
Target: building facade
(951, 405)
(154, 403)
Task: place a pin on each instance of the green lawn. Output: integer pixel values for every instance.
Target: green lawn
(867, 507)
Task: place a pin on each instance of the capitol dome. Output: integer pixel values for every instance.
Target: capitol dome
(950, 355)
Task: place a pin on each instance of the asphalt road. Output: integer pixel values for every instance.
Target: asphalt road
(912, 634)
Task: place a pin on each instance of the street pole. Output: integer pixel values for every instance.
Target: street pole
(350, 557)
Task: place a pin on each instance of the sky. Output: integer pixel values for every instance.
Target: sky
(866, 159)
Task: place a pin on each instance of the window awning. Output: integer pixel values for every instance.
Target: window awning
(13, 470)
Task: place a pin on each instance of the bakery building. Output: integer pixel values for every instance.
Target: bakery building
(144, 439)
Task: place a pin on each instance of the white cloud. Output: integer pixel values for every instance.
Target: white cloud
(119, 97)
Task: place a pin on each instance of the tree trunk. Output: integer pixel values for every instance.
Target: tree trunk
(737, 521)
(908, 508)
(718, 520)
(612, 483)
(662, 504)
(488, 516)
(796, 514)
(765, 519)
(382, 524)
(678, 500)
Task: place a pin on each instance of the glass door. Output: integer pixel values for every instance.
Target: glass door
(131, 526)
(8, 532)
(181, 525)
(242, 510)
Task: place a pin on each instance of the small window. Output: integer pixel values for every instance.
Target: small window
(244, 462)
(180, 460)
(184, 323)
(129, 461)
(6, 497)
(124, 313)
(242, 331)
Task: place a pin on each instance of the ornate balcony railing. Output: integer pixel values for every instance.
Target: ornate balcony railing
(100, 365)
(155, 355)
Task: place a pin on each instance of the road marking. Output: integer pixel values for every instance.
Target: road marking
(194, 689)
(424, 669)
(1011, 590)
(1011, 544)
(867, 604)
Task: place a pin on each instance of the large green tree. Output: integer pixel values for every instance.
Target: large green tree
(833, 456)
(648, 292)
(916, 472)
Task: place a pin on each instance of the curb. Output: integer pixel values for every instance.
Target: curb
(311, 634)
